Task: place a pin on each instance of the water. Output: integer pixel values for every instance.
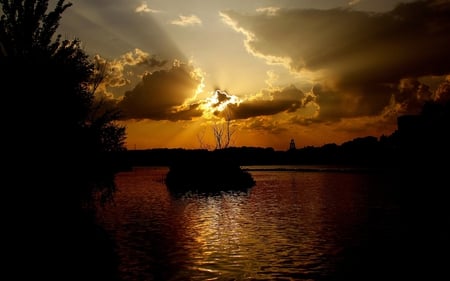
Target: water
(293, 225)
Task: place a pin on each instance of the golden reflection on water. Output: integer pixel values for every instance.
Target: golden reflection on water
(290, 225)
(217, 226)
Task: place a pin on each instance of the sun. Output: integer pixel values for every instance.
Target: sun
(218, 102)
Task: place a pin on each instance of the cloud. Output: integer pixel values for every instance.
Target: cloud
(264, 124)
(270, 11)
(218, 102)
(125, 70)
(164, 95)
(289, 100)
(139, 57)
(143, 8)
(412, 95)
(187, 20)
(353, 2)
(360, 58)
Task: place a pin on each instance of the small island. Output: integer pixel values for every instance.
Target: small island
(207, 172)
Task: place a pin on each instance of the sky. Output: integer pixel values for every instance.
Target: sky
(316, 71)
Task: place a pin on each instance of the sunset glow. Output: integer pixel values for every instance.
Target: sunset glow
(315, 71)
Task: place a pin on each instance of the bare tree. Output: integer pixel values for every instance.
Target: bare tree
(200, 138)
(223, 132)
(218, 135)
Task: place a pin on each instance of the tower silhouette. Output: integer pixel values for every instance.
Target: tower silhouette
(292, 145)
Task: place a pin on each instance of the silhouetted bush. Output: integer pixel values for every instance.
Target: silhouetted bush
(207, 172)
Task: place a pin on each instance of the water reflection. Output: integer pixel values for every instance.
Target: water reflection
(290, 225)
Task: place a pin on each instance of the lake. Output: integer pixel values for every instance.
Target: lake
(321, 224)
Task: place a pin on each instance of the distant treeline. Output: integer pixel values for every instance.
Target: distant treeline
(367, 151)
(419, 140)
(359, 151)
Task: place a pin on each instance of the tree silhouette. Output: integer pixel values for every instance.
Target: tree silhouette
(61, 142)
(223, 132)
(53, 82)
(27, 30)
(229, 131)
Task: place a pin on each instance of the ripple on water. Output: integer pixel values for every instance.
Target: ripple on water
(289, 225)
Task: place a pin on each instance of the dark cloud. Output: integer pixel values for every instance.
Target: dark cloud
(262, 124)
(412, 94)
(289, 99)
(153, 62)
(355, 101)
(191, 111)
(361, 56)
(221, 97)
(162, 95)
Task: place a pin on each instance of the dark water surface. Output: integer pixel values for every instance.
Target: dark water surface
(293, 225)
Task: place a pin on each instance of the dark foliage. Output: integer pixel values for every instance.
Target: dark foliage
(61, 147)
(47, 84)
(210, 172)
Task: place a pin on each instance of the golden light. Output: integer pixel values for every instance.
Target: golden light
(218, 102)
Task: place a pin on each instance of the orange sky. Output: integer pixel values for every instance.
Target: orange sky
(314, 71)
